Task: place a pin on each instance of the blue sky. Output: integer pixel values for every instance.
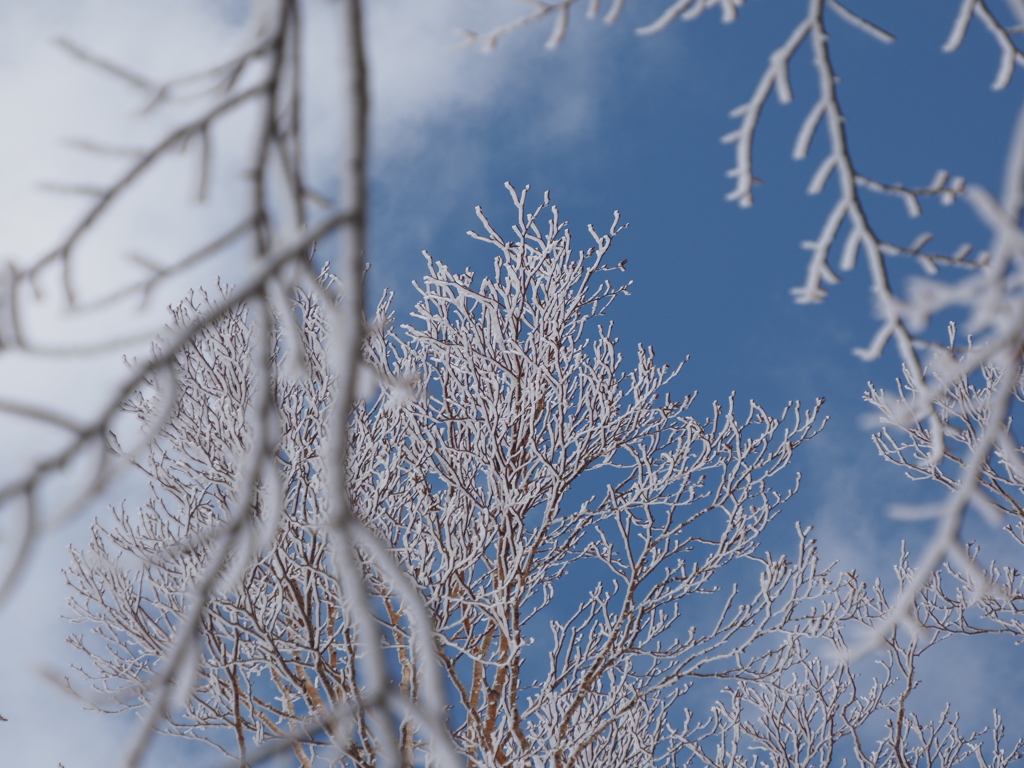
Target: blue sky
(608, 121)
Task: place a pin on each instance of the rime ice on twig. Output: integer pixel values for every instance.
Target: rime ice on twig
(559, 11)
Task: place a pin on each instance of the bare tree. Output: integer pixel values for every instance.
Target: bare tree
(473, 463)
(504, 406)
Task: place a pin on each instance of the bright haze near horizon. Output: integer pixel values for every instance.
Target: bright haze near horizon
(608, 121)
